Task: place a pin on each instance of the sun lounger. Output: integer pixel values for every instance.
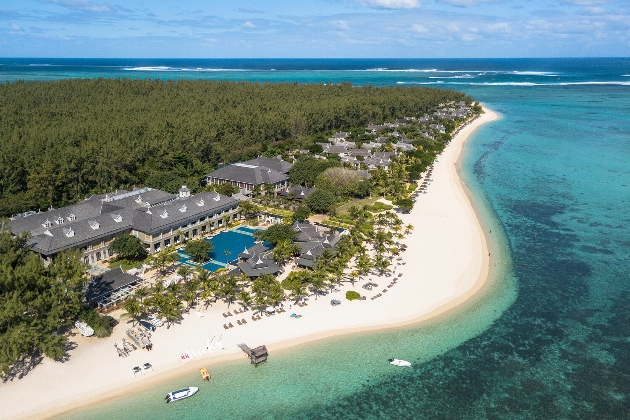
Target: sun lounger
(243, 321)
(254, 318)
(224, 315)
(238, 321)
(229, 314)
(230, 325)
(225, 327)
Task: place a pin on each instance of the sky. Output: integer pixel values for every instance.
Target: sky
(314, 28)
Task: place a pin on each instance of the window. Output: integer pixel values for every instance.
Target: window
(183, 208)
(59, 220)
(94, 225)
(117, 218)
(72, 217)
(164, 214)
(200, 203)
(47, 224)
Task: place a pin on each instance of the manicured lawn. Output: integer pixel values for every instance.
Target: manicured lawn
(359, 203)
(126, 265)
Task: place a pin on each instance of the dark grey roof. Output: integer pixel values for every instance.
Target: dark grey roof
(95, 219)
(307, 232)
(248, 174)
(270, 268)
(109, 282)
(335, 149)
(275, 164)
(90, 209)
(303, 262)
(257, 248)
(360, 152)
(179, 211)
(299, 191)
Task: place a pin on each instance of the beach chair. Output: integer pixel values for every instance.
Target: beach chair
(136, 370)
(224, 315)
(225, 327)
(243, 321)
(230, 325)
(238, 321)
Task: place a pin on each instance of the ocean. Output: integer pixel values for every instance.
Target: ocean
(549, 337)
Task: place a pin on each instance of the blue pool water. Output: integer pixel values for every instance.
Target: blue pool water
(231, 241)
(248, 229)
(548, 339)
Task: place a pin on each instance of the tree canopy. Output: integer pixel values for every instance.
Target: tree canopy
(128, 247)
(320, 201)
(198, 249)
(64, 140)
(35, 302)
(275, 234)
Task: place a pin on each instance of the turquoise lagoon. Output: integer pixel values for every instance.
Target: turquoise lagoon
(548, 338)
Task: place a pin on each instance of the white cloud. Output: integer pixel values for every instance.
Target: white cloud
(248, 24)
(341, 24)
(83, 5)
(389, 4)
(465, 3)
(15, 27)
(421, 29)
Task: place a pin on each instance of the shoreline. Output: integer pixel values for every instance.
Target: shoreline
(471, 277)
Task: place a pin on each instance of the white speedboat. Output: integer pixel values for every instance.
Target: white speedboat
(398, 362)
(181, 394)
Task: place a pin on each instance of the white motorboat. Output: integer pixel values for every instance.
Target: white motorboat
(181, 394)
(398, 362)
(84, 328)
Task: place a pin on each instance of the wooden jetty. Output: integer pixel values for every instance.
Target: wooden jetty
(257, 355)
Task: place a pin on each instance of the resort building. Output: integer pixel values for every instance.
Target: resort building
(111, 288)
(246, 175)
(157, 218)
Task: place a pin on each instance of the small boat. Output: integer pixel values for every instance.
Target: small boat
(398, 362)
(181, 394)
(205, 375)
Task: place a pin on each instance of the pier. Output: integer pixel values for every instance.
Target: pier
(257, 355)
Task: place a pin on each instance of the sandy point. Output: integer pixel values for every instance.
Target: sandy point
(446, 262)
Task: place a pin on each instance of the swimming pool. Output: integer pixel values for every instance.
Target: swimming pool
(248, 229)
(233, 241)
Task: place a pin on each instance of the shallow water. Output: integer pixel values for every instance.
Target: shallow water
(549, 339)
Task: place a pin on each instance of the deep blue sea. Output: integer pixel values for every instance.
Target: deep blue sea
(548, 339)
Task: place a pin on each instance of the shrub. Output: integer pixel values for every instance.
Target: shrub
(352, 295)
(102, 325)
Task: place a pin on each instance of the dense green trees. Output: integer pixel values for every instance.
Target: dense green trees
(35, 302)
(64, 140)
(320, 201)
(305, 170)
(199, 249)
(275, 234)
(128, 247)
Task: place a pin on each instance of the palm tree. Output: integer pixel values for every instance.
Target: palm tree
(226, 252)
(185, 271)
(141, 293)
(132, 308)
(245, 297)
(408, 228)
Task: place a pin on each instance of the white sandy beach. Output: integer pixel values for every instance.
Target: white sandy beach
(446, 263)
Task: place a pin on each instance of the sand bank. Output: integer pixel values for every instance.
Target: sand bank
(447, 262)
